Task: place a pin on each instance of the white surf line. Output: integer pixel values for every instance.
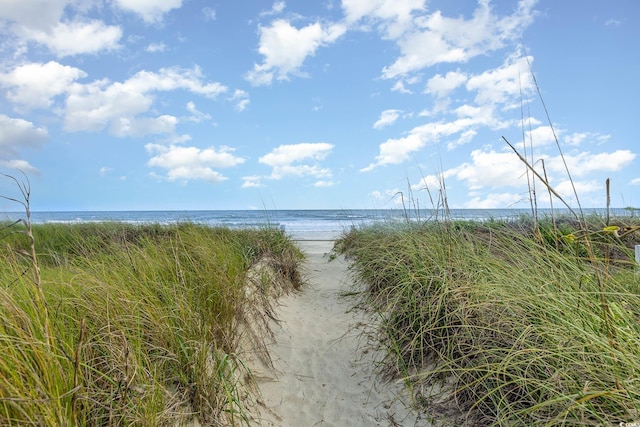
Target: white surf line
(321, 377)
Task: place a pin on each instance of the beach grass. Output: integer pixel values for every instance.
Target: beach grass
(135, 324)
(507, 322)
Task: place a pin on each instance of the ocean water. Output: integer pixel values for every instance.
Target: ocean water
(300, 224)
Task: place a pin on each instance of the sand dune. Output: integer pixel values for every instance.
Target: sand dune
(320, 375)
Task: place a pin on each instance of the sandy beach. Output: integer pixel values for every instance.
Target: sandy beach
(322, 374)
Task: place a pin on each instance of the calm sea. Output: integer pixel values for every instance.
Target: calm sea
(300, 224)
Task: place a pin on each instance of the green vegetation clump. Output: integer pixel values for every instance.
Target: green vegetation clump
(119, 324)
(507, 323)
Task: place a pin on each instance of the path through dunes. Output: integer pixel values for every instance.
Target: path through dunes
(321, 378)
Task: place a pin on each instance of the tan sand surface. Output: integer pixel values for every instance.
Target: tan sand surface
(321, 376)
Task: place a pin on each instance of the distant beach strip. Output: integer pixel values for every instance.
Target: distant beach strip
(320, 224)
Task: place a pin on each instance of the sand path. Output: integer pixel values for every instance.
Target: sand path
(321, 376)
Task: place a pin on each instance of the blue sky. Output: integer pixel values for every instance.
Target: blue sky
(193, 104)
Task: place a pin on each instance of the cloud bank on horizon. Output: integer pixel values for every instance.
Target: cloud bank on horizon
(175, 104)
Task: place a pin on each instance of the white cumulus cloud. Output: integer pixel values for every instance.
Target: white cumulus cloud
(394, 17)
(387, 118)
(196, 115)
(241, 99)
(440, 85)
(566, 188)
(286, 47)
(541, 135)
(22, 165)
(41, 22)
(492, 169)
(399, 150)
(502, 84)
(578, 138)
(324, 184)
(584, 163)
(192, 163)
(438, 39)
(79, 37)
(156, 47)
(140, 126)
(149, 10)
(276, 9)
(17, 133)
(252, 181)
(298, 160)
(35, 14)
(494, 91)
(35, 85)
(494, 201)
(96, 105)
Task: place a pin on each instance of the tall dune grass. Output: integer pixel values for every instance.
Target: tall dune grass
(534, 322)
(500, 323)
(143, 322)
